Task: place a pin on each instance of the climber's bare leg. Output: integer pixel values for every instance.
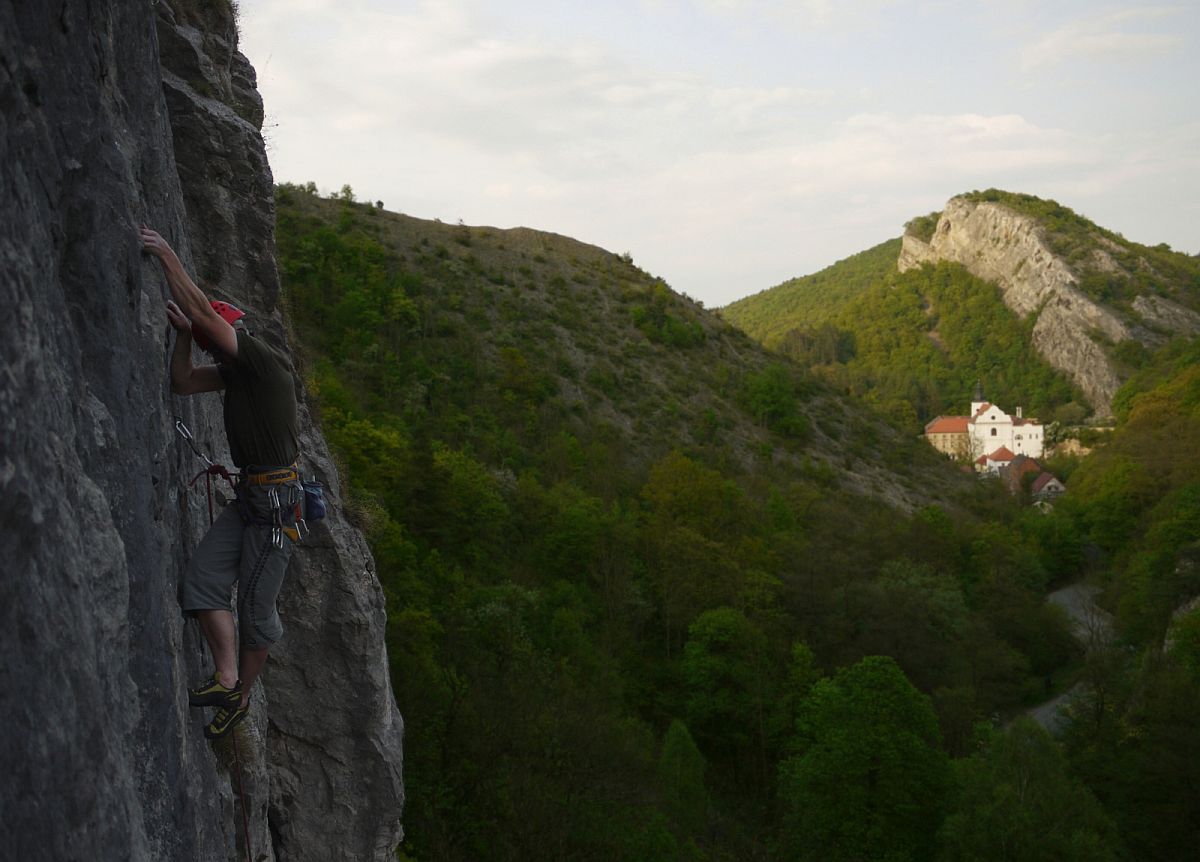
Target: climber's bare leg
(219, 632)
(253, 661)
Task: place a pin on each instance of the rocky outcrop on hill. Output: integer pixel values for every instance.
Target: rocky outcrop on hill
(102, 757)
(998, 245)
(1166, 316)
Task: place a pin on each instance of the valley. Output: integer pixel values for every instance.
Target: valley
(630, 555)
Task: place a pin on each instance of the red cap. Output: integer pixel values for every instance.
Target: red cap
(231, 314)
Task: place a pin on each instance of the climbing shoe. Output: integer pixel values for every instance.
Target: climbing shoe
(224, 720)
(212, 693)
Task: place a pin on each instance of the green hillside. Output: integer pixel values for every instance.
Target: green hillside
(770, 315)
(1130, 520)
(917, 342)
(1132, 515)
(636, 566)
(912, 345)
(460, 325)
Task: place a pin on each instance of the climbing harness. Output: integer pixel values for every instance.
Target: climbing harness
(214, 469)
(307, 500)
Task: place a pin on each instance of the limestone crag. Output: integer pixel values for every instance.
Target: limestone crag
(102, 757)
(1006, 248)
(1164, 316)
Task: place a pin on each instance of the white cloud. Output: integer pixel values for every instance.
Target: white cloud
(567, 106)
(800, 14)
(1109, 37)
(722, 186)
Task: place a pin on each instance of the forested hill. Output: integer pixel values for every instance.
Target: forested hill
(811, 300)
(1131, 518)
(526, 338)
(636, 565)
(1049, 310)
(911, 344)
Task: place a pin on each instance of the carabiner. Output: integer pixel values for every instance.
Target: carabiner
(186, 434)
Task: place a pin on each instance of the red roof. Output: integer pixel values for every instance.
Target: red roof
(947, 425)
(1023, 464)
(1001, 454)
(982, 407)
(1042, 481)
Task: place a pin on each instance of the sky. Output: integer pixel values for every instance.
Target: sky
(729, 145)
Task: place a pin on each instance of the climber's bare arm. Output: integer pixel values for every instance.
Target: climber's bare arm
(190, 299)
(186, 378)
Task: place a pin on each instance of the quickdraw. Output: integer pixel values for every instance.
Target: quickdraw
(212, 468)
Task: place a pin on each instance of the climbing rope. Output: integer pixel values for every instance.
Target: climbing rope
(237, 760)
(214, 469)
(208, 473)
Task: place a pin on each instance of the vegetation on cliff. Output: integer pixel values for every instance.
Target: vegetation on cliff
(922, 227)
(1110, 268)
(636, 566)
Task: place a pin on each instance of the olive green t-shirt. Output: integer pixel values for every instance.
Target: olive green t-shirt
(260, 405)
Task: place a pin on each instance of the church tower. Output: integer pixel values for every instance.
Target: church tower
(978, 401)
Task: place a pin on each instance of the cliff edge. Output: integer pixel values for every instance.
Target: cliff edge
(117, 113)
(1071, 330)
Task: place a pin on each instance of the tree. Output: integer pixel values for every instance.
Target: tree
(694, 513)
(690, 572)
(802, 675)
(868, 779)
(724, 671)
(915, 615)
(1141, 757)
(681, 491)
(1017, 801)
(771, 397)
(681, 769)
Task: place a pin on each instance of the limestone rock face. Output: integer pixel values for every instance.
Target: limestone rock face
(1167, 316)
(102, 757)
(1006, 248)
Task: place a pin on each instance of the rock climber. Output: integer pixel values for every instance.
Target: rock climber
(249, 543)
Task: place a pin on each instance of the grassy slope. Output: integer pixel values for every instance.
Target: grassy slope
(593, 345)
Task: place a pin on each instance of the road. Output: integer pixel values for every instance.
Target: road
(1092, 627)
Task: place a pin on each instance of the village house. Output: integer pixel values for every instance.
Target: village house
(993, 462)
(1047, 487)
(950, 435)
(1014, 473)
(988, 436)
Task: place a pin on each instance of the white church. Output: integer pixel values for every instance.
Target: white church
(989, 437)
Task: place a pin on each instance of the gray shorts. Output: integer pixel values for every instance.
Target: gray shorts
(238, 549)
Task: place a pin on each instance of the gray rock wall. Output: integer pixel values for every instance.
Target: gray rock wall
(102, 759)
(1005, 248)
